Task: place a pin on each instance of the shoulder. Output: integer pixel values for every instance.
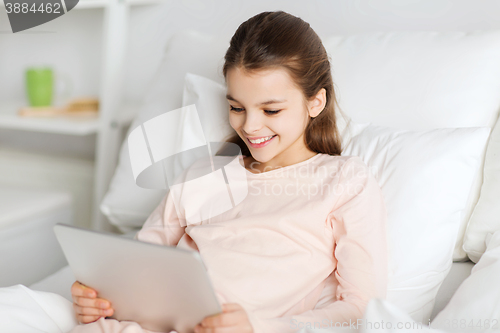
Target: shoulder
(357, 181)
(326, 158)
(351, 176)
(342, 165)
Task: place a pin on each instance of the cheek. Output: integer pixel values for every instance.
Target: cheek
(289, 128)
(286, 126)
(235, 121)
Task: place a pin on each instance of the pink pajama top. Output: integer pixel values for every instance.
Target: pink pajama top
(307, 246)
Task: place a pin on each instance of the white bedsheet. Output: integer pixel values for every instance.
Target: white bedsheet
(25, 310)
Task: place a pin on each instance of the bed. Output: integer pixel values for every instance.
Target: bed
(440, 96)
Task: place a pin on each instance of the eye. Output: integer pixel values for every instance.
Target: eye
(271, 111)
(236, 109)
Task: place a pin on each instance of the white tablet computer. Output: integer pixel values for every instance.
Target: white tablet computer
(161, 288)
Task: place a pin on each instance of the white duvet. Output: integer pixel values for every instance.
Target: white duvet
(475, 306)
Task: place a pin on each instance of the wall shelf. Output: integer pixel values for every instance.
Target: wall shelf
(57, 125)
(62, 125)
(110, 23)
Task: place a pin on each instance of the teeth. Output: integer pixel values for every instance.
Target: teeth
(261, 140)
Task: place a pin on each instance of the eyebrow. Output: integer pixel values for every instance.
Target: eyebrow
(271, 101)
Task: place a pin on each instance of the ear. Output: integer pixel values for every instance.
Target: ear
(316, 104)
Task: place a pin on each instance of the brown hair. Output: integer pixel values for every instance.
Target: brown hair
(279, 39)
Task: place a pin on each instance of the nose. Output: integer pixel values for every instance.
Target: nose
(253, 122)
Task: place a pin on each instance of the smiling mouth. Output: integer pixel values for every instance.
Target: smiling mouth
(262, 140)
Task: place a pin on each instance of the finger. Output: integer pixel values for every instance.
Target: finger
(87, 319)
(87, 311)
(224, 319)
(99, 303)
(78, 289)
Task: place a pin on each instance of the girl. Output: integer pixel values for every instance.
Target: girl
(307, 246)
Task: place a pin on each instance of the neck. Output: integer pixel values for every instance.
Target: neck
(278, 161)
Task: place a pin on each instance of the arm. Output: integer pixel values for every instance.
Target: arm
(358, 224)
(163, 226)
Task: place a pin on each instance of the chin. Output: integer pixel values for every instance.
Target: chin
(262, 157)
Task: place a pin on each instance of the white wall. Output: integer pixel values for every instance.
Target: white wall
(72, 44)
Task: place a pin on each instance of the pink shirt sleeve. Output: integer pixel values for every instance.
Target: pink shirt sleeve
(358, 222)
(163, 226)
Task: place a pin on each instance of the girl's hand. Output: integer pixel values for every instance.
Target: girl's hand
(88, 307)
(233, 319)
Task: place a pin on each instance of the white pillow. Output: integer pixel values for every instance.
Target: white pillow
(210, 100)
(475, 304)
(421, 80)
(426, 177)
(485, 219)
(418, 80)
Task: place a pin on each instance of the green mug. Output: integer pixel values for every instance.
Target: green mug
(40, 86)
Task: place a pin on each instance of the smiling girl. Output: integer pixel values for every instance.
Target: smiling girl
(284, 258)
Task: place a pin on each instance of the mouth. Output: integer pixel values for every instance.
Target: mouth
(261, 142)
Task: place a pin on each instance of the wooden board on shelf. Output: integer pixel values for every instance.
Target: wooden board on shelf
(52, 111)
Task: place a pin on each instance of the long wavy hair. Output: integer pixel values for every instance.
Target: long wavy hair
(278, 39)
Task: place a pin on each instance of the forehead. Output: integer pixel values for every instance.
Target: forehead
(270, 81)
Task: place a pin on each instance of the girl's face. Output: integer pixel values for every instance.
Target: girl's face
(270, 114)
